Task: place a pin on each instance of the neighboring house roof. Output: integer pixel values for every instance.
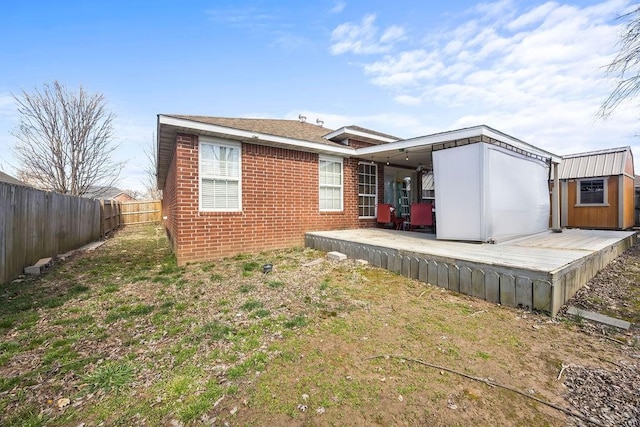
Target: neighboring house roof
(103, 192)
(11, 180)
(608, 162)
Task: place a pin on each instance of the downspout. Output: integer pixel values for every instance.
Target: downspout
(555, 199)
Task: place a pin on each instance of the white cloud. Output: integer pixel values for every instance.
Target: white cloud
(533, 16)
(7, 106)
(408, 100)
(392, 34)
(537, 73)
(362, 38)
(242, 17)
(338, 7)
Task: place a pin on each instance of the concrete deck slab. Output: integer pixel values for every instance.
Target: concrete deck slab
(541, 271)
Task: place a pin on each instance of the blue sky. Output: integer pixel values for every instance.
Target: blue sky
(531, 69)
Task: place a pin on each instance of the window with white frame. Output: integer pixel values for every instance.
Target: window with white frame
(330, 183)
(592, 191)
(367, 189)
(220, 177)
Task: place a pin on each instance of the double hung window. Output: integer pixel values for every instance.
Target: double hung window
(220, 177)
(330, 183)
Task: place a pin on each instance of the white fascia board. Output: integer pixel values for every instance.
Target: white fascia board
(256, 136)
(442, 137)
(354, 132)
(421, 141)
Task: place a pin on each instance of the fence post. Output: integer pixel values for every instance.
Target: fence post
(102, 218)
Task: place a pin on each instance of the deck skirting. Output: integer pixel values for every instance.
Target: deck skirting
(526, 288)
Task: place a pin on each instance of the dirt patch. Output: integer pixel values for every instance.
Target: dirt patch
(122, 336)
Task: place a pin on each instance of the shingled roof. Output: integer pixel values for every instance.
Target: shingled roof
(11, 180)
(277, 127)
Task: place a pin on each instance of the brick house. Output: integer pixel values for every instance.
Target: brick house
(233, 185)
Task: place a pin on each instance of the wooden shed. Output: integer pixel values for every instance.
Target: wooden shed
(597, 189)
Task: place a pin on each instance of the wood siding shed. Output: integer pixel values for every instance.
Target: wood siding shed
(606, 174)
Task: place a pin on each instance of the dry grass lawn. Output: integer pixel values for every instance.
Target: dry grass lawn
(122, 336)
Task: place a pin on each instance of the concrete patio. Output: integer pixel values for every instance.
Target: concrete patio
(538, 272)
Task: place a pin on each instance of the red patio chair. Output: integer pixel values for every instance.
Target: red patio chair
(421, 215)
(386, 215)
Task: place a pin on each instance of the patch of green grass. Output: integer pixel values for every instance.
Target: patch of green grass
(251, 305)
(83, 320)
(250, 266)
(127, 311)
(29, 416)
(255, 363)
(181, 353)
(275, 284)
(109, 289)
(109, 376)
(197, 405)
(206, 266)
(216, 330)
(482, 355)
(170, 269)
(260, 313)
(325, 283)
(245, 289)
(296, 322)
(7, 350)
(59, 354)
(77, 289)
(7, 383)
(240, 257)
(217, 277)
(7, 322)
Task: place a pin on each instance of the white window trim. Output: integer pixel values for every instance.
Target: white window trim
(222, 143)
(605, 196)
(341, 186)
(375, 200)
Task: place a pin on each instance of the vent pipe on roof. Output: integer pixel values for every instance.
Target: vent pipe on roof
(302, 118)
(319, 122)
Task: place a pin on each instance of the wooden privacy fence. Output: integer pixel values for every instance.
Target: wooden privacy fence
(36, 224)
(140, 212)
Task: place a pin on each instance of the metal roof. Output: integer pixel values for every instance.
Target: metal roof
(607, 162)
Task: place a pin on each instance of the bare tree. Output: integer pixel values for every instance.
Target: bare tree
(626, 65)
(65, 140)
(151, 177)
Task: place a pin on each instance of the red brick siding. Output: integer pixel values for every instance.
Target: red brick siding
(279, 203)
(169, 203)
